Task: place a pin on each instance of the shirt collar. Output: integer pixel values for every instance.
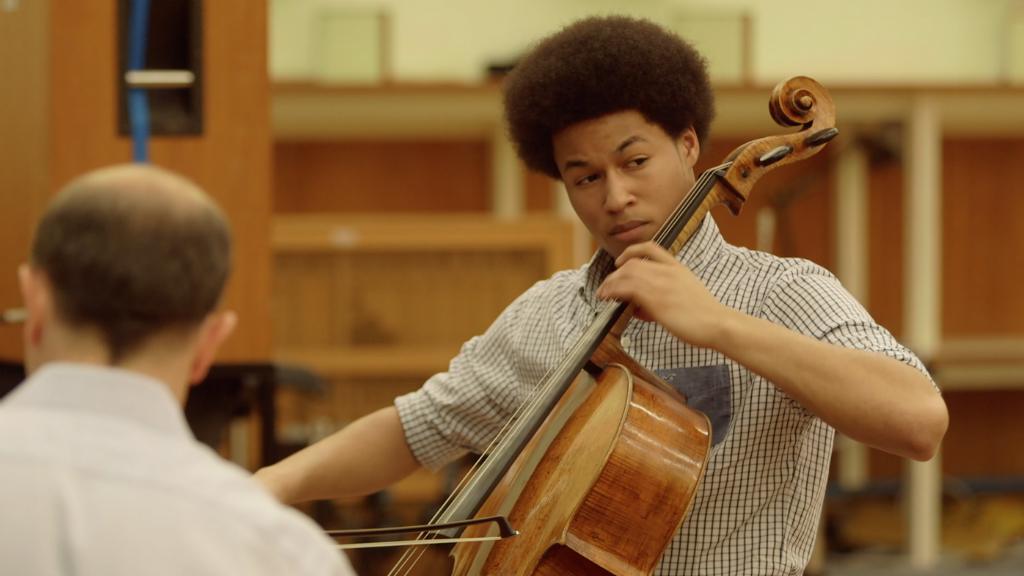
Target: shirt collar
(103, 391)
(698, 251)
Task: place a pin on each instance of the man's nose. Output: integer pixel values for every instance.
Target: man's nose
(618, 194)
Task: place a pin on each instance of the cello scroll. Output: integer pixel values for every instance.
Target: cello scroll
(799, 101)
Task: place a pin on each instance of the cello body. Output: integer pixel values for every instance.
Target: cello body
(604, 485)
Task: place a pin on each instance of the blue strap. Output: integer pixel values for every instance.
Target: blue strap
(138, 102)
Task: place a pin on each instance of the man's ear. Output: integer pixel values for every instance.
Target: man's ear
(212, 333)
(35, 293)
(688, 146)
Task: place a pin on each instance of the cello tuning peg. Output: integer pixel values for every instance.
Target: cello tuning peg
(774, 155)
(821, 136)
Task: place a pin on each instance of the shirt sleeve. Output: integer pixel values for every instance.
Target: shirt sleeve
(810, 300)
(462, 409)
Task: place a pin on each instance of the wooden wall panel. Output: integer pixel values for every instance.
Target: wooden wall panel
(885, 245)
(981, 279)
(24, 138)
(231, 159)
(982, 234)
(382, 176)
(983, 219)
(984, 434)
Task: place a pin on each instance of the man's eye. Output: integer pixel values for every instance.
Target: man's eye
(637, 162)
(586, 180)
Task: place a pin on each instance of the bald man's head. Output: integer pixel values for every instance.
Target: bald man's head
(133, 251)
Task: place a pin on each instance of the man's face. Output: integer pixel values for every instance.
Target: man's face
(624, 175)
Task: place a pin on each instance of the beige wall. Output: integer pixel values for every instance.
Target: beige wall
(867, 41)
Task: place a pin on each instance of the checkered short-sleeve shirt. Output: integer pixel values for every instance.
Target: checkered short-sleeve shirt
(757, 508)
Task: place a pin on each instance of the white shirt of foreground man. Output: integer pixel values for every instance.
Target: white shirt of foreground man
(102, 476)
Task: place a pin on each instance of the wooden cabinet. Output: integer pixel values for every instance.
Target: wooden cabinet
(390, 298)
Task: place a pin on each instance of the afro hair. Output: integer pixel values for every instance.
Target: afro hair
(599, 66)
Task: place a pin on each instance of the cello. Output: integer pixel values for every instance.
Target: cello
(596, 471)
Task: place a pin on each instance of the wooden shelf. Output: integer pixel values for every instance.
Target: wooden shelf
(312, 111)
(414, 233)
(980, 364)
(372, 361)
(316, 111)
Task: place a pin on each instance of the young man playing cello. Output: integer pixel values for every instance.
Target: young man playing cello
(774, 351)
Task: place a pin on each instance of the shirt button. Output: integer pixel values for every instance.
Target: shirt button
(625, 340)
